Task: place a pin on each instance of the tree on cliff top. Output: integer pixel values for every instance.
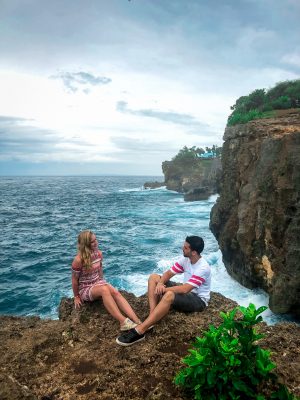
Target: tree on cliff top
(188, 159)
(193, 153)
(260, 103)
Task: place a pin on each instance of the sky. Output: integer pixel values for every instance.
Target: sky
(101, 87)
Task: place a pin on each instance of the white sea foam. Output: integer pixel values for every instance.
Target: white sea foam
(158, 188)
(137, 189)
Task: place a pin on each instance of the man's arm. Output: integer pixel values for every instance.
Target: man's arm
(160, 287)
(181, 289)
(166, 277)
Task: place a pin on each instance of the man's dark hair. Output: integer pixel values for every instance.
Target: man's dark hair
(196, 243)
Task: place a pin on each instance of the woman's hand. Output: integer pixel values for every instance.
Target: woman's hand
(77, 302)
(160, 289)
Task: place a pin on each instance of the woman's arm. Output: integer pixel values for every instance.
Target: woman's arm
(76, 268)
(75, 287)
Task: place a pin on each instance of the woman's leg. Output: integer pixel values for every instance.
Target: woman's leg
(109, 302)
(124, 305)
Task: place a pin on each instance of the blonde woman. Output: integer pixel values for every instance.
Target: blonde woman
(88, 283)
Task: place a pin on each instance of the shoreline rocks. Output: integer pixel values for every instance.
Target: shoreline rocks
(197, 180)
(154, 185)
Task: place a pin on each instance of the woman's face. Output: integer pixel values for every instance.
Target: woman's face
(94, 242)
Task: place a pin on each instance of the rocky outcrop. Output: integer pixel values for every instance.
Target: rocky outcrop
(257, 217)
(154, 185)
(197, 179)
(197, 194)
(76, 357)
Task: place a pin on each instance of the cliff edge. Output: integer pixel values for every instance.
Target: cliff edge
(76, 357)
(256, 219)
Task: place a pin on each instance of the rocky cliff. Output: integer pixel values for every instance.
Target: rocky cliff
(197, 179)
(76, 357)
(256, 219)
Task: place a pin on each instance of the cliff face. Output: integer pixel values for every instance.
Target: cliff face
(257, 217)
(197, 179)
(77, 357)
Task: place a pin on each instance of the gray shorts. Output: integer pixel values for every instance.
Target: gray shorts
(187, 302)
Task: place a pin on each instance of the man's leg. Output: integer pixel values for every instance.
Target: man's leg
(153, 299)
(158, 313)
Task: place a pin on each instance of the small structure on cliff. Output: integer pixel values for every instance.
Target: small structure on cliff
(207, 155)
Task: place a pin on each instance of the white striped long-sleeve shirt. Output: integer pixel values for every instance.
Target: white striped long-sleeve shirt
(197, 275)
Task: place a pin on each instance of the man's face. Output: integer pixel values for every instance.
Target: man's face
(94, 242)
(186, 248)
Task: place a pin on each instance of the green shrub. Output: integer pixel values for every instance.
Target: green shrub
(283, 95)
(282, 103)
(226, 363)
(242, 118)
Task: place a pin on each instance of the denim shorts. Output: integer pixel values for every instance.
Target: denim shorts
(186, 302)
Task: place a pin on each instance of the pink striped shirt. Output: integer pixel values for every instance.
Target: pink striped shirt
(197, 275)
(89, 277)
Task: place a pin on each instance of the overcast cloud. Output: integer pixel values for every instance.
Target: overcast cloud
(120, 86)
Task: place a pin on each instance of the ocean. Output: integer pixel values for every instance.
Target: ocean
(139, 231)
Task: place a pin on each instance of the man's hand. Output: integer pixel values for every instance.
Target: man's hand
(160, 289)
(77, 302)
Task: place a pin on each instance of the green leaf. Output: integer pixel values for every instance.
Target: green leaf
(261, 310)
(211, 377)
(242, 387)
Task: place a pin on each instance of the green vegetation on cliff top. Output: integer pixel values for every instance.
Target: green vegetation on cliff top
(194, 152)
(189, 159)
(261, 103)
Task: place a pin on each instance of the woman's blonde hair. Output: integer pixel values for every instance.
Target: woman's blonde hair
(85, 248)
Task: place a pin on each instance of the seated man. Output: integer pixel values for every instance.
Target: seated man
(193, 295)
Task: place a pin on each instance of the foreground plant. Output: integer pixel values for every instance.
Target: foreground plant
(226, 363)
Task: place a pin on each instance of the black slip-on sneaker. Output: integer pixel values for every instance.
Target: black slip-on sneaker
(129, 338)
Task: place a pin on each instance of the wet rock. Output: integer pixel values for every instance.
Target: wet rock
(153, 185)
(198, 194)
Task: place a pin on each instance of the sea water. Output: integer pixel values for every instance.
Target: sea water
(139, 232)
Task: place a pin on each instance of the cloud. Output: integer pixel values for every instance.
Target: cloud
(251, 37)
(292, 59)
(9, 121)
(169, 116)
(19, 140)
(141, 146)
(83, 81)
(177, 66)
